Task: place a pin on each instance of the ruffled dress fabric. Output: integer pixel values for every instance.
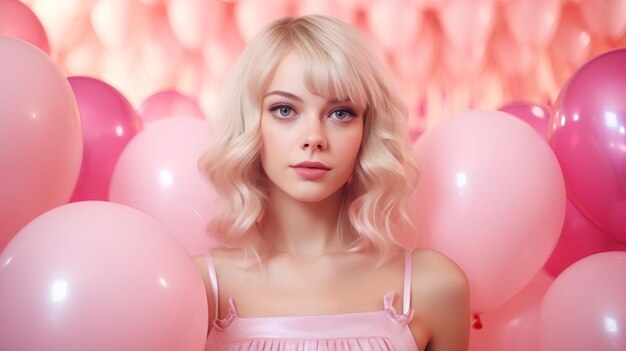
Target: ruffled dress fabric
(371, 331)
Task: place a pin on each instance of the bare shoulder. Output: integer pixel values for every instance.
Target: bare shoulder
(439, 270)
(441, 299)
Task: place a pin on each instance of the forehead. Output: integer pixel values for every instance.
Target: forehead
(289, 74)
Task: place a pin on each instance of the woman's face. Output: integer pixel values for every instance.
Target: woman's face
(298, 126)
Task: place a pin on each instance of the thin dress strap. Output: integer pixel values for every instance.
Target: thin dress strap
(408, 266)
(213, 279)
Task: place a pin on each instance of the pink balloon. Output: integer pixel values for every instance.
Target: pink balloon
(467, 25)
(252, 15)
(196, 21)
(533, 22)
(587, 133)
(579, 238)
(18, 21)
(515, 325)
(169, 103)
(395, 24)
(535, 115)
(572, 41)
(606, 19)
(40, 138)
(157, 173)
(109, 123)
(96, 275)
(492, 198)
(585, 308)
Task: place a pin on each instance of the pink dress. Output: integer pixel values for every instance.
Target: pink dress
(385, 329)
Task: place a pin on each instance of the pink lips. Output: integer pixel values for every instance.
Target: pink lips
(310, 170)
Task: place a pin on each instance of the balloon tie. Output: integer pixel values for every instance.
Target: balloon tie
(476, 322)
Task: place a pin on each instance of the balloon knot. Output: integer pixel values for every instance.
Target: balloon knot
(476, 322)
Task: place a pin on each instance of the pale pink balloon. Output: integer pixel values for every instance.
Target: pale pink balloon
(515, 325)
(18, 21)
(536, 115)
(467, 24)
(514, 58)
(533, 22)
(114, 22)
(109, 123)
(157, 173)
(65, 22)
(168, 103)
(220, 55)
(96, 276)
(572, 41)
(252, 15)
(605, 18)
(196, 21)
(416, 61)
(395, 24)
(41, 144)
(579, 238)
(584, 308)
(331, 8)
(492, 198)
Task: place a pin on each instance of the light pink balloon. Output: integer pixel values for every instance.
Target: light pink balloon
(41, 143)
(196, 21)
(109, 123)
(533, 22)
(515, 59)
(252, 15)
(18, 21)
(96, 275)
(579, 238)
(492, 198)
(157, 173)
(168, 103)
(515, 325)
(395, 24)
(467, 24)
(113, 22)
(584, 308)
(605, 18)
(572, 41)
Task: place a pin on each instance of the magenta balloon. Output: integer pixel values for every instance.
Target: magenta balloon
(96, 275)
(158, 174)
(492, 198)
(534, 114)
(584, 308)
(579, 238)
(40, 136)
(588, 134)
(168, 103)
(109, 123)
(18, 21)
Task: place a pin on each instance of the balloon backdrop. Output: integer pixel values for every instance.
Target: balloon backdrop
(579, 238)
(157, 173)
(169, 103)
(588, 134)
(18, 21)
(40, 139)
(515, 325)
(585, 308)
(492, 198)
(109, 123)
(96, 275)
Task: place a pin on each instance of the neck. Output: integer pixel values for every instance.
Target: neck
(302, 229)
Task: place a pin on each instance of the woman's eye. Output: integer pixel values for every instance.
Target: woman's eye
(343, 114)
(282, 111)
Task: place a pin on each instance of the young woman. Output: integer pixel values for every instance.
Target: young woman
(314, 169)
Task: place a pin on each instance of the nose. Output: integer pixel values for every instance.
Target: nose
(314, 136)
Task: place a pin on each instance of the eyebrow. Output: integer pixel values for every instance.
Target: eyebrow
(297, 98)
(283, 93)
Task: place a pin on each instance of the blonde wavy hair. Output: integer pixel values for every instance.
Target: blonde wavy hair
(342, 65)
